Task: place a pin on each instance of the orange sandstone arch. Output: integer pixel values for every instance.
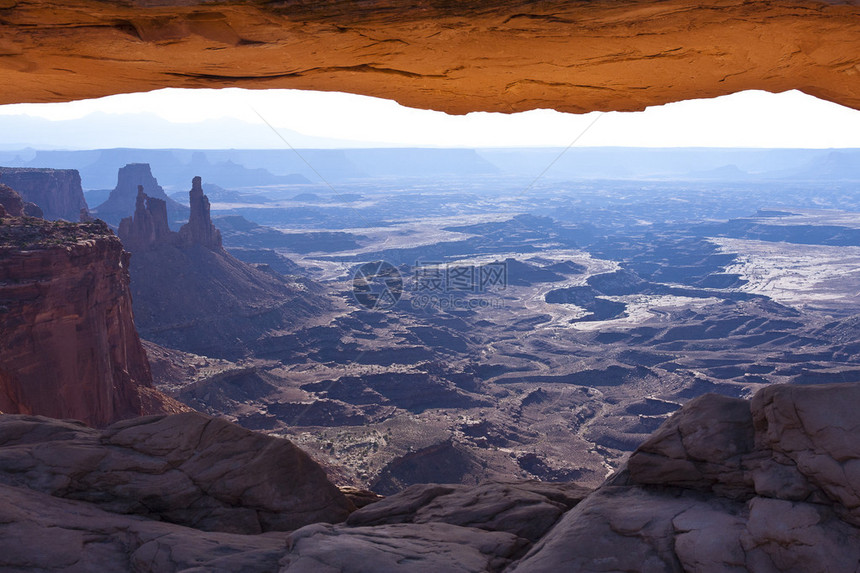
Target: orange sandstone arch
(501, 55)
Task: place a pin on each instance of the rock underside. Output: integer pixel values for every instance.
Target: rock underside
(503, 55)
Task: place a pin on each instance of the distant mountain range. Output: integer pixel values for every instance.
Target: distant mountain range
(247, 169)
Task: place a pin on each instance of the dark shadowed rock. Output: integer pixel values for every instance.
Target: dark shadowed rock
(123, 199)
(15, 206)
(217, 305)
(188, 469)
(56, 193)
(148, 227)
(413, 547)
(39, 532)
(199, 230)
(703, 449)
(11, 201)
(526, 509)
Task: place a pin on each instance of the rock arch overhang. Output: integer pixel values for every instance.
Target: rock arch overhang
(455, 56)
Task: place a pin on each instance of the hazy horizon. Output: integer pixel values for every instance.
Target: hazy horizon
(274, 119)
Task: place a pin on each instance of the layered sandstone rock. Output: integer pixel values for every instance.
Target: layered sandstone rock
(159, 494)
(191, 294)
(724, 485)
(727, 485)
(188, 469)
(57, 192)
(124, 198)
(69, 346)
(503, 55)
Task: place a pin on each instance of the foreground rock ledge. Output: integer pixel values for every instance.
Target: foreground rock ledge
(502, 55)
(724, 485)
(187, 468)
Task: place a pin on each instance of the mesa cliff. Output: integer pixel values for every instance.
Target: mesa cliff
(122, 199)
(190, 294)
(57, 192)
(70, 349)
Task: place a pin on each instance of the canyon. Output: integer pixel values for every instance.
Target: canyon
(688, 362)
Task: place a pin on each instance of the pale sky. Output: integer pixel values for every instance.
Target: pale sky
(745, 119)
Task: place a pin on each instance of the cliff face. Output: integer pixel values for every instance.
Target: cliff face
(12, 204)
(123, 200)
(69, 346)
(56, 191)
(192, 295)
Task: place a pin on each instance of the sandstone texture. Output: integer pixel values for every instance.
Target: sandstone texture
(69, 345)
(123, 199)
(191, 294)
(39, 532)
(57, 192)
(726, 485)
(502, 55)
(187, 468)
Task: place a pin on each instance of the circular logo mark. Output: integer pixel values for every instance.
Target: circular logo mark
(377, 285)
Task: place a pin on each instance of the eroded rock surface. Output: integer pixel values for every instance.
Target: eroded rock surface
(39, 532)
(526, 509)
(504, 55)
(187, 468)
(422, 547)
(12, 204)
(199, 230)
(69, 346)
(726, 485)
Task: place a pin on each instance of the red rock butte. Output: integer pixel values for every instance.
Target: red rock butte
(458, 57)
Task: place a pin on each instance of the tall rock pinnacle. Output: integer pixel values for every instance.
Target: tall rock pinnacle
(199, 230)
(148, 227)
